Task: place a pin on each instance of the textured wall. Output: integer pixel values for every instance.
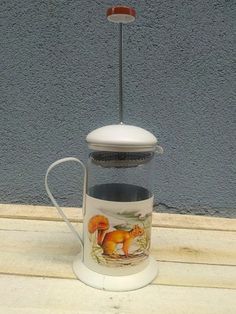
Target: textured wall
(59, 81)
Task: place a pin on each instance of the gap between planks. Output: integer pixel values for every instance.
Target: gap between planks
(36, 212)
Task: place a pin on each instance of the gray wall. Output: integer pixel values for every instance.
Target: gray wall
(59, 81)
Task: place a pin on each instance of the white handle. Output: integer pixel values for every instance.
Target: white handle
(60, 161)
(159, 150)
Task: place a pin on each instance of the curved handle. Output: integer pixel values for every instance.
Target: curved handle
(60, 211)
(159, 150)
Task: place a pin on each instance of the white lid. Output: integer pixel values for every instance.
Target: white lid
(121, 138)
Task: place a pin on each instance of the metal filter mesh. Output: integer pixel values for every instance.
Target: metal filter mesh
(120, 159)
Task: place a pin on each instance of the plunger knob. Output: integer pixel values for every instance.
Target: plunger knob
(121, 14)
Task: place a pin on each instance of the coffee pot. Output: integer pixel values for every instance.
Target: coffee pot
(117, 199)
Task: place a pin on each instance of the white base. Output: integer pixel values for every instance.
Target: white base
(115, 283)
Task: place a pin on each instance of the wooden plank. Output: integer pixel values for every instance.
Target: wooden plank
(194, 246)
(20, 211)
(193, 222)
(196, 275)
(43, 248)
(170, 273)
(17, 211)
(30, 295)
(168, 244)
(35, 225)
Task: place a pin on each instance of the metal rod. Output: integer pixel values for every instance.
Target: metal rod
(121, 73)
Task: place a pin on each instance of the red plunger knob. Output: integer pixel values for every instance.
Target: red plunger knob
(121, 14)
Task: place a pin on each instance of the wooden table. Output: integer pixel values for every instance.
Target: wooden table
(196, 257)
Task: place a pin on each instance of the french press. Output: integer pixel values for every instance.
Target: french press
(117, 198)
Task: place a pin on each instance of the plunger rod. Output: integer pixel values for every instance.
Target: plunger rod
(121, 72)
(120, 15)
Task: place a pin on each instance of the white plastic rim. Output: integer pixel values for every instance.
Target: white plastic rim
(121, 18)
(121, 138)
(110, 148)
(115, 283)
